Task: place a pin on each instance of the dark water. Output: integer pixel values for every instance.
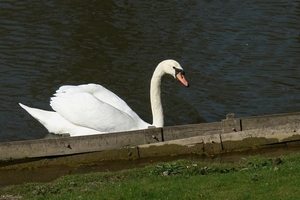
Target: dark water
(240, 57)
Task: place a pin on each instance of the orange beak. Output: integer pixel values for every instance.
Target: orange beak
(181, 78)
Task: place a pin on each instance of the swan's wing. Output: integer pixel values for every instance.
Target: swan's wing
(100, 93)
(84, 109)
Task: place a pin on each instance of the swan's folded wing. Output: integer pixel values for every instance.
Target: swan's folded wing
(100, 93)
(85, 110)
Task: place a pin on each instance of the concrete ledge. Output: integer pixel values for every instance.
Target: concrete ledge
(174, 147)
(231, 134)
(264, 135)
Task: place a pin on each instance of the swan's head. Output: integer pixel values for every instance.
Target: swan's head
(173, 68)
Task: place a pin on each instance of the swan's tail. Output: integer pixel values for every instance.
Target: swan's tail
(56, 124)
(47, 118)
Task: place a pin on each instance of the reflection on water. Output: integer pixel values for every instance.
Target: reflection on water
(239, 57)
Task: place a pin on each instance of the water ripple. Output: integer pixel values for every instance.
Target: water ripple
(240, 57)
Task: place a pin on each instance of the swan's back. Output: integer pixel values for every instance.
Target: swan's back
(95, 107)
(100, 93)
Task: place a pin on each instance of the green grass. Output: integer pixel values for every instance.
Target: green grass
(251, 178)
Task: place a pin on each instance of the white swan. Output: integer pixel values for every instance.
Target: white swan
(92, 109)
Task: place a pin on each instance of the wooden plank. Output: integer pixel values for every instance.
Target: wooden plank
(231, 124)
(75, 145)
(186, 131)
(259, 122)
(211, 137)
(261, 136)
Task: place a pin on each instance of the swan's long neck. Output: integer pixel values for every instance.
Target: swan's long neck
(155, 98)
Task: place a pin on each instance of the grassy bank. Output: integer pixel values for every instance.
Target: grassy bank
(250, 178)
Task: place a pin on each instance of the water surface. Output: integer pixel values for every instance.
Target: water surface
(240, 57)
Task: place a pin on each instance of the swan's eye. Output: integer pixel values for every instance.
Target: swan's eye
(178, 71)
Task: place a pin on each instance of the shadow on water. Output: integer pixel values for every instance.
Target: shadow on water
(50, 173)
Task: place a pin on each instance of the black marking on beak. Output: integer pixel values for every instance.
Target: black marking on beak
(178, 71)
